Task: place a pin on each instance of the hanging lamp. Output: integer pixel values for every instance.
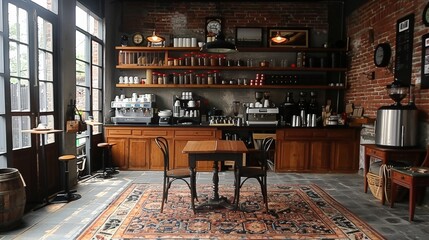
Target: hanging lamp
(155, 38)
(219, 45)
(279, 38)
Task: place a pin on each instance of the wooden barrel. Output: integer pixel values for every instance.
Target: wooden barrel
(12, 198)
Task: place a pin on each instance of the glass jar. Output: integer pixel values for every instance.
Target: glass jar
(210, 78)
(213, 60)
(198, 78)
(175, 78)
(181, 80)
(203, 78)
(155, 78)
(180, 61)
(216, 77)
(193, 59)
(170, 62)
(191, 77)
(222, 60)
(187, 59)
(164, 78)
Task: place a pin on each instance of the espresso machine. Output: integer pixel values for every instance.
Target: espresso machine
(137, 109)
(262, 114)
(397, 124)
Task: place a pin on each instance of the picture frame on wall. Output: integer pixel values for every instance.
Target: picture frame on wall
(248, 36)
(295, 37)
(425, 62)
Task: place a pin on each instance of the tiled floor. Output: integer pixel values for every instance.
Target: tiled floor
(66, 221)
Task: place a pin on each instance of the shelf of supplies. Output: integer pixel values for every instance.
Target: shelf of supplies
(235, 68)
(240, 49)
(228, 86)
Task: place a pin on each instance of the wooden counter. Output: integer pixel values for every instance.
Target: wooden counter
(296, 149)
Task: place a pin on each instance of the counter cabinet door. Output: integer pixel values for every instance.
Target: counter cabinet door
(292, 155)
(345, 156)
(320, 160)
(139, 154)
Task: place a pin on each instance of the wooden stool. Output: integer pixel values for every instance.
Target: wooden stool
(411, 178)
(66, 195)
(107, 160)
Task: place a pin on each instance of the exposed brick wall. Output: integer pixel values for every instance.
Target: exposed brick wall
(186, 19)
(381, 16)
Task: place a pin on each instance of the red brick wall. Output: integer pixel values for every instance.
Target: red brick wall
(180, 19)
(381, 16)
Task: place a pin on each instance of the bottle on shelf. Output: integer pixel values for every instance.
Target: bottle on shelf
(302, 107)
(289, 108)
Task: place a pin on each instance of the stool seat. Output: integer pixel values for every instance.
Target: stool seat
(66, 195)
(67, 157)
(102, 145)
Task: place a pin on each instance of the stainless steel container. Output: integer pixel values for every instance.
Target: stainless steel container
(396, 126)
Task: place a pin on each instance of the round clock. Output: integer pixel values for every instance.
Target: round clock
(382, 54)
(213, 26)
(138, 38)
(425, 15)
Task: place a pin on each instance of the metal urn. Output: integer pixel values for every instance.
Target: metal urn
(397, 124)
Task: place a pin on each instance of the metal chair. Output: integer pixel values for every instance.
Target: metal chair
(171, 175)
(259, 173)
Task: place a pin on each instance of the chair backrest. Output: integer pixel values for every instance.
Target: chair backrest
(163, 145)
(265, 154)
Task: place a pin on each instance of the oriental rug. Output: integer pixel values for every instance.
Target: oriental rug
(296, 212)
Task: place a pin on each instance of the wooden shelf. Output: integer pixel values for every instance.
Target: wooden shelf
(227, 86)
(240, 49)
(298, 69)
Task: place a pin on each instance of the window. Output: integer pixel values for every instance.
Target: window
(3, 149)
(47, 4)
(89, 67)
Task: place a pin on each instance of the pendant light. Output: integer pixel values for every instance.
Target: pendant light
(219, 46)
(279, 38)
(155, 38)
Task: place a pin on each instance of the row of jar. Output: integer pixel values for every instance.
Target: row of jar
(189, 77)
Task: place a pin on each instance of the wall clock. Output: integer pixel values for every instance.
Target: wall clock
(138, 39)
(382, 54)
(425, 15)
(213, 26)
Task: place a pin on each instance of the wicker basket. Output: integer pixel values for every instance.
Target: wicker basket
(380, 183)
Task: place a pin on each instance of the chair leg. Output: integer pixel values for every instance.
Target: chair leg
(164, 194)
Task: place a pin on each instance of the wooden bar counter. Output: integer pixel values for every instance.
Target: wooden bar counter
(319, 150)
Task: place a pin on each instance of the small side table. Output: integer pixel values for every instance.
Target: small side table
(411, 178)
(412, 155)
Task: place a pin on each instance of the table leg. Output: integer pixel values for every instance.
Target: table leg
(193, 182)
(412, 203)
(215, 181)
(393, 188)
(365, 171)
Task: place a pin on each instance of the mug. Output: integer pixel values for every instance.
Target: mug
(191, 103)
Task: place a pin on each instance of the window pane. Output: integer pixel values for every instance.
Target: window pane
(81, 73)
(20, 139)
(2, 103)
(2, 60)
(20, 95)
(46, 67)
(45, 34)
(96, 77)
(81, 18)
(96, 53)
(81, 47)
(96, 99)
(18, 54)
(46, 97)
(18, 24)
(49, 121)
(81, 94)
(3, 135)
(51, 5)
(95, 27)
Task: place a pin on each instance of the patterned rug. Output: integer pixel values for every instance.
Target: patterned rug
(296, 212)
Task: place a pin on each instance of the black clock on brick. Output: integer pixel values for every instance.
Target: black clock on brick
(382, 54)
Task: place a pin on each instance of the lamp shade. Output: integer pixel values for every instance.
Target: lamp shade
(219, 46)
(155, 38)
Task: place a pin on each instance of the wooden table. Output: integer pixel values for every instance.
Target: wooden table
(214, 150)
(42, 162)
(411, 178)
(411, 155)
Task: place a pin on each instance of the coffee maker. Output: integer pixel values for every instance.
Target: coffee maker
(134, 110)
(396, 124)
